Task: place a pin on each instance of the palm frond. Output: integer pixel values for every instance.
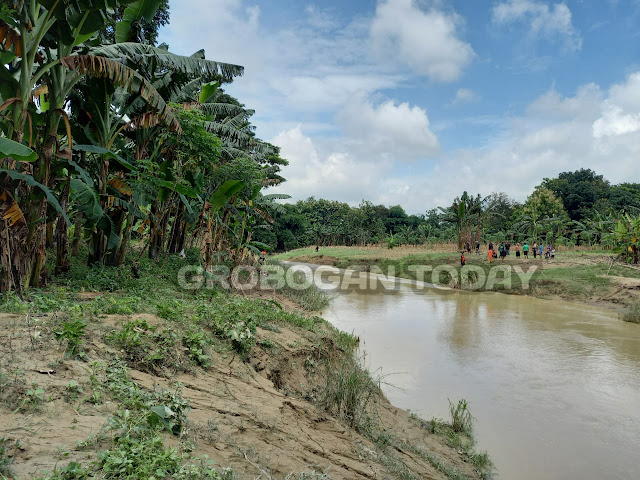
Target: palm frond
(125, 77)
(193, 65)
(221, 109)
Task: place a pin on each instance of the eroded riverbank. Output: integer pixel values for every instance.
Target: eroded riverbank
(245, 381)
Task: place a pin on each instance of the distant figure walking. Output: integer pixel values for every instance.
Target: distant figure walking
(317, 248)
(463, 260)
(490, 253)
(477, 247)
(508, 248)
(517, 253)
(468, 245)
(553, 252)
(525, 250)
(501, 249)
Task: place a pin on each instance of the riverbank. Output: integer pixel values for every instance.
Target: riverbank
(114, 375)
(580, 275)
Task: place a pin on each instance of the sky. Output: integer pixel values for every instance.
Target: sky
(412, 102)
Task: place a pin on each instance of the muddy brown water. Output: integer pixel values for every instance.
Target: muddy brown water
(554, 386)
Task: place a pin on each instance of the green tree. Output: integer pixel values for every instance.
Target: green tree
(579, 191)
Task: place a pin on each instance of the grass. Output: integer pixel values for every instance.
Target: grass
(350, 392)
(461, 418)
(458, 434)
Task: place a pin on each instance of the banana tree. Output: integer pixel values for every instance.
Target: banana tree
(34, 85)
(626, 235)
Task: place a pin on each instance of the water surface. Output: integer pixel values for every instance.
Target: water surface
(554, 386)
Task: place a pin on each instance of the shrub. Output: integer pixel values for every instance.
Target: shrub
(632, 314)
(33, 398)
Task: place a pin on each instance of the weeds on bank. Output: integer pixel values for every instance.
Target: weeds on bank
(311, 299)
(33, 399)
(632, 314)
(458, 434)
(350, 392)
(461, 418)
(5, 459)
(136, 448)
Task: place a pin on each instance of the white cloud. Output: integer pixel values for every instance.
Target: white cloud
(465, 95)
(426, 41)
(329, 92)
(592, 129)
(627, 93)
(614, 122)
(332, 175)
(544, 20)
(388, 130)
(585, 104)
(621, 111)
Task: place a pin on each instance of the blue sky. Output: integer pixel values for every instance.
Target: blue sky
(414, 101)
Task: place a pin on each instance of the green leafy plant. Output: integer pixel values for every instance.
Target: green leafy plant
(72, 471)
(33, 398)
(197, 343)
(71, 332)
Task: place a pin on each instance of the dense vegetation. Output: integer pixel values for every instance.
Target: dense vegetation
(578, 208)
(106, 136)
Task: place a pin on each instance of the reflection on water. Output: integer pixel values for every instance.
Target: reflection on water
(555, 387)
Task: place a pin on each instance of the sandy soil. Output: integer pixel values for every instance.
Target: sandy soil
(252, 415)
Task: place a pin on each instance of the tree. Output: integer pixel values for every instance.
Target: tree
(35, 81)
(579, 191)
(542, 207)
(462, 213)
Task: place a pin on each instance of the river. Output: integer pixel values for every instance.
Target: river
(554, 386)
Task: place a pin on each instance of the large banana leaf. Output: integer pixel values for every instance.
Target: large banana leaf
(103, 151)
(31, 182)
(124, 77)
(195, 65)
(15, 150)
(88, 201)
(224, 192)
(141, 9)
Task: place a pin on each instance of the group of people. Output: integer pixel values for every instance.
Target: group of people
(504, 249)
